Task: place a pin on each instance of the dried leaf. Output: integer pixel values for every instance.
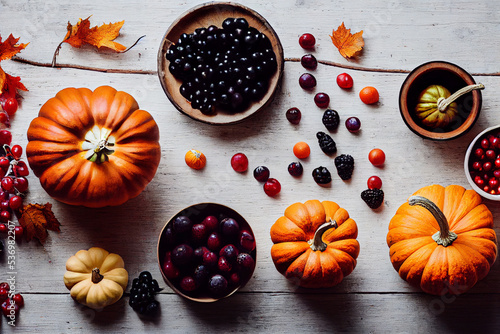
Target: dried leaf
(9, 84)
(36, 219)
(348, 44)
(102, 36)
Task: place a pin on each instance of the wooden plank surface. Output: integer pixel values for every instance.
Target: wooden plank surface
(399, 35)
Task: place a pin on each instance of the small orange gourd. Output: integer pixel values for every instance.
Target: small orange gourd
(93, 148)
(442, 240)
(195, 159)
(315, 244)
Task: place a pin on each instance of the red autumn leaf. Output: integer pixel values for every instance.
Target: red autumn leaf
(347, 44)
(36, 219)
(9, 84)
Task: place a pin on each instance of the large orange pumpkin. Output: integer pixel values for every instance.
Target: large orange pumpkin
(442, 240)
(93, 148)
(315, 244)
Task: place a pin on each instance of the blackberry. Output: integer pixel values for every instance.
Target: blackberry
(322, 175)
(142, 294)
(331, 119)
(373, 197)
(326, 143)
(345, 166)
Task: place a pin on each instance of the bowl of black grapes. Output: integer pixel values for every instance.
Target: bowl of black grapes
(206, 252)
(220, 63)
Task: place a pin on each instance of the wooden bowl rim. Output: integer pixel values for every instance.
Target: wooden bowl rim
(439, 136)
(468, 153)
(160, 257)
(221, 117)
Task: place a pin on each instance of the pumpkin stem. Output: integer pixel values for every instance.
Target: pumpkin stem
(98, 144)
(317, 243)
(444, 236)
(96, 276)
(443, 103)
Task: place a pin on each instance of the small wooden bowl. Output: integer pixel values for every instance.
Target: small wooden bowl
(197, 213)
(453, 78)
(205, 15)
(475, 143)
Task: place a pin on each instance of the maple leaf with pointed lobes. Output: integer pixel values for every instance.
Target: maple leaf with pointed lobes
(348, 44)
(9, 84)
(102, 36)
(36, 219)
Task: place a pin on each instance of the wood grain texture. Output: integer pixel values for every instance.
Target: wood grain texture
(373, 299)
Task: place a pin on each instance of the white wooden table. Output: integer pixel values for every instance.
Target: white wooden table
(399, 36)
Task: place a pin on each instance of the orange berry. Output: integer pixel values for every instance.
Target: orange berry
(369, 95)
(301, 150)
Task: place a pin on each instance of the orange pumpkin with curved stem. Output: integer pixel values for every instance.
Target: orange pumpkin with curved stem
(315, 244)
(93, 148)
(442, 240)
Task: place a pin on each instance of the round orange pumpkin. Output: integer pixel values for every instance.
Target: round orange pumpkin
(93, 148)
(315, 244)
(442, 240)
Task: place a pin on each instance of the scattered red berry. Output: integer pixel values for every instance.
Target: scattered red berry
(293, 115)
(261, 173)
(344, 81)
(15, 202)
(309, 61)
(21, 184)
(18, 299)
(18, 231)
(272, 187)
(7, 184)
(374, 182)
(353, 124)
(239, 162)
(307, 41)
(5, 137)
(3, 228)
(17, 151)
(10, 106)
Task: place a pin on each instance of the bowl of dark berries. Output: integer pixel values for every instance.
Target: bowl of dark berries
(206, 252)
(220, 63)
(440, 101)
(482, 163)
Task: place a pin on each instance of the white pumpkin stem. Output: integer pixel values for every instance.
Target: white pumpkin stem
(444, 236)
(317, 243)
(96, 276)
(443, 103)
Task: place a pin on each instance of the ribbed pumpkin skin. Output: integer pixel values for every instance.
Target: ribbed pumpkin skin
(434, 268)
(293, 256)
(56, 156)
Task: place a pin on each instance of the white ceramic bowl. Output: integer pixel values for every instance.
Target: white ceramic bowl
(469, 152)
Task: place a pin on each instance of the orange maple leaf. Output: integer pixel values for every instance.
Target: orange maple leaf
(36, 219)
(102, 36)
(348, 44)
(9, 84)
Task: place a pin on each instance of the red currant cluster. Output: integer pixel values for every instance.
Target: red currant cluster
(10, 306)
(8, 109)
(485, 164)
(13, 184)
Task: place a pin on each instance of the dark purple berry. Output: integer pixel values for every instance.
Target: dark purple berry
(230, 228)
(322, 175)
(293, 115)
(309, 61)
(307, 81)
(182, 225)
(261, 173)
(182, 255)
(295, 169)
(217, 286)
(322, 100)
(331, 119)
(229, 252)
(353, 124)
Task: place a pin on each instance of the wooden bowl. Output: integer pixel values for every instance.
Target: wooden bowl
(453, 78)
(475, 143)
(205, 15)
(196, 213)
